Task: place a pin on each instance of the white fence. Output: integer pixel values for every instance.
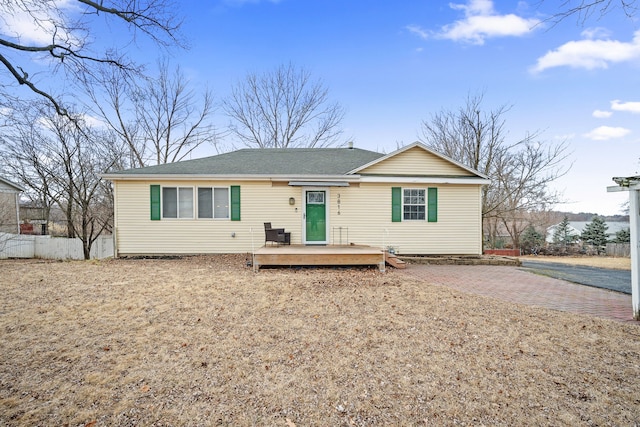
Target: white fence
(47, 247)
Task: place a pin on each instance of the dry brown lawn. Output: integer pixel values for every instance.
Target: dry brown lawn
(205, 341)
(618, 263)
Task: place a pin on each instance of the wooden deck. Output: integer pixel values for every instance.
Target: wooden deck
(297, 255)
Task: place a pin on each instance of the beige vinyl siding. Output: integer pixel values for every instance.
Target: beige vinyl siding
(9, 222)
(260, 203)
(416, 162)
(366, 213)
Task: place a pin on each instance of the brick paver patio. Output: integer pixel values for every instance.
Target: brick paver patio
(519, 286)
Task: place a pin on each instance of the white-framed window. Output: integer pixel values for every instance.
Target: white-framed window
(213, 202)
(414, 204)
(177, 202)
(315, 197)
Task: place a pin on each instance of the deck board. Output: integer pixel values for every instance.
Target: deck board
(298, 255)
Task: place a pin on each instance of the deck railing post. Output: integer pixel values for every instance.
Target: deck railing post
(253, 251)
(383, 263)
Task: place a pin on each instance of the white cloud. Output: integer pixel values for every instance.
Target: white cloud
(93, 121)
(631, 107)
(596, 33)
(599, 114)
(38, 26)
(418, 31)
(604, 133)
(475, 7)
(564, 137)
(482, 22)
(590, 53)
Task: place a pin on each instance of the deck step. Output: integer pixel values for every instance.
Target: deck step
(394, 261)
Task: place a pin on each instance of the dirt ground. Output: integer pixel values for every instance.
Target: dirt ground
(205, 341)
(618, 263)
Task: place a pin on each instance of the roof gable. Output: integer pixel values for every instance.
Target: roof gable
(6, 185)
(416, 160)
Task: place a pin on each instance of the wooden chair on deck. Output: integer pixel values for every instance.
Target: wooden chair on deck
(276, 235)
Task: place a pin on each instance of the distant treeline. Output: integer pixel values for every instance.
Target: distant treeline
(587, 216)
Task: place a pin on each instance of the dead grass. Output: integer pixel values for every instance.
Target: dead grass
(618, 263)
(204, 341)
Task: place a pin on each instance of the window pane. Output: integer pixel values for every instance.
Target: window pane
(170, 202)
(414, 207)
(185, 202)
(205, 203)
(221, 205)
(315, 197)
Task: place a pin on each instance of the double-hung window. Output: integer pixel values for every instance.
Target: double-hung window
(177, 202)
(413, 202)
(213, 202)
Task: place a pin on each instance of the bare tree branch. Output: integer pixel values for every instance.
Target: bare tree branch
(161, 120)
(586, 9)
(283, 109)
(64, 30)
(520, 171)
(61, 163)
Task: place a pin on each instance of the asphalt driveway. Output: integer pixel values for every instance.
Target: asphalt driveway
(605, 278)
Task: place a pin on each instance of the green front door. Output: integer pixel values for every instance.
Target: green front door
(316, 210)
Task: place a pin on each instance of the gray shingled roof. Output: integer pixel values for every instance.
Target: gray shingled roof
(270, 161)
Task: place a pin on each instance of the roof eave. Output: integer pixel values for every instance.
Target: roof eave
(231, 177)
(12, 184)
(467, 180)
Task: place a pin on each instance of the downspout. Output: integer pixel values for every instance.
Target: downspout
(115, 220)
(17, 211)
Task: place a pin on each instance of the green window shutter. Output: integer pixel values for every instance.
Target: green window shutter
(396, 204)
(432, 205)
(155, 202)
(235, 203)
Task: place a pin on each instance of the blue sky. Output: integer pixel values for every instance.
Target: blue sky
(394, 64)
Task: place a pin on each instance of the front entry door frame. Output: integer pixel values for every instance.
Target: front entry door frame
(327, 198)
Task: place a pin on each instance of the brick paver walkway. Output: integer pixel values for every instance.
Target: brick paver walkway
(515, 285)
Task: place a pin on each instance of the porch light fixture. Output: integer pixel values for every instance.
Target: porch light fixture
(292, 201)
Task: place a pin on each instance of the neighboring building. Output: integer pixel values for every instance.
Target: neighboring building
(414, 199)
(9, 206)
(34, 219)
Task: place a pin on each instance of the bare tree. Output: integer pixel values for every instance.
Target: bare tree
(62, 161)
(82, 154)
(159, 120)
(22, 144)
(520, 171)
(58, 43)
(284, 108)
